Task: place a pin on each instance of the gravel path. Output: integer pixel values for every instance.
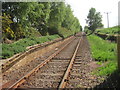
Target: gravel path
(80, 76)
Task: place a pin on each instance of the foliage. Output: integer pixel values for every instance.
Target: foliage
(24, 22)
(94, 20)
(107, 69)
(112, 30)
(40, 17)
(70, 22)
(104, 52)
(6, 29)
(9, 50)
(101, 49)
(65, 32)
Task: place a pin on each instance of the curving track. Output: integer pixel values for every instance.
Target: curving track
(62, 69)
(52, 73)
(11, 76)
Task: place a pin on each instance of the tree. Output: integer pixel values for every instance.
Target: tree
(70, 22)
(29, 18)
(57, 15)
(94, 20)
(7, 32)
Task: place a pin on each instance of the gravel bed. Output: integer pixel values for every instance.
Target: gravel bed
(17, 73)
(51, 74)
(80, 76)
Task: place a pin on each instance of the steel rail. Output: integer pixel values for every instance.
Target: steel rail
(65, 77)
(23, 79)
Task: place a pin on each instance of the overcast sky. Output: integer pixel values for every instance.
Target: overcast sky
(81, 8)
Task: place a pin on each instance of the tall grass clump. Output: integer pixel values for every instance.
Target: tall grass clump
(111, 31)
(104, 52)
(9, 50)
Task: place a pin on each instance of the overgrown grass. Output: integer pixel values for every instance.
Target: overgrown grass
(112, 30)
(9, 50)
(107, 69)
(103, 51)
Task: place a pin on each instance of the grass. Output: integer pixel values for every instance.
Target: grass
(103, 51)
(111, 31)
(107, 69)
(9, 50)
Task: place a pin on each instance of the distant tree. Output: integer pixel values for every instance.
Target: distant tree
(57, 16)
(86, 29)
(94, 20)
(70, 21)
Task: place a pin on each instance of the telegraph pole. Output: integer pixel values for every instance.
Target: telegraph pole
(107, 17)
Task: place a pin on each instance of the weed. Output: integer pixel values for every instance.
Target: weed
(103, 51)
(9, 50)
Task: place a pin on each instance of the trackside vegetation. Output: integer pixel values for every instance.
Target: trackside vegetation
(9, 50)
(28, 23)
(111, 31)
(105, 53)
(28, 19)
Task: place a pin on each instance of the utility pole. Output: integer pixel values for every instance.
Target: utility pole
(107, 17)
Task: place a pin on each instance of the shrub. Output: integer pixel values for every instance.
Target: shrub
(112, 30)
(9, 50)
(103, 51)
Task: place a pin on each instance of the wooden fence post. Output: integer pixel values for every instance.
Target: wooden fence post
(118, 51)
(118, 38)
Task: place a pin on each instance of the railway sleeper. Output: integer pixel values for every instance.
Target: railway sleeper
(53, 71)
(76, 65)
(55, 67)
(77, 62)
(58, 74)
(49, 77)
(60, 62)
(61, 58)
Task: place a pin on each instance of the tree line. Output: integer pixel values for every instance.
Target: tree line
(26, 19)
(94, 21)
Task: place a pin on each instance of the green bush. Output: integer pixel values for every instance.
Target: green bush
(65, 32)
(112, 30)
(107, 69)
(9, 50)
(103, 51)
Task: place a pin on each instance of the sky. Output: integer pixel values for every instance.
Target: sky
(81, 9)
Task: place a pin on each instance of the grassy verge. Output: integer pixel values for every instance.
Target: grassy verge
(105, 53)
(9, 50)
(111, 31)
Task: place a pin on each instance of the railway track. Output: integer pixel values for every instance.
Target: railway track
(12, 75)
(15, 75)
(60, 70)
(51, 75)
(79, 67)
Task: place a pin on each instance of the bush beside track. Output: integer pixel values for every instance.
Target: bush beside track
(9, 50)
(105, 53)
(110, 31)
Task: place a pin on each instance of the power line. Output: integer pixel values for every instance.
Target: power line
(107, 17)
